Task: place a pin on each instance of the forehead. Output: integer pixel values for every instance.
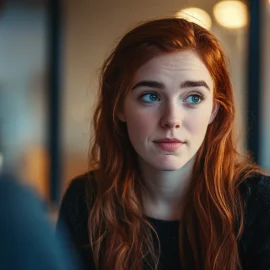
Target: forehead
(183, 65)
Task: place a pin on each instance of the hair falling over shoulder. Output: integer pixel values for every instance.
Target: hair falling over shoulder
(120, 236)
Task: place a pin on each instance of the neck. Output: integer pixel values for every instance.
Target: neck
(164, 192)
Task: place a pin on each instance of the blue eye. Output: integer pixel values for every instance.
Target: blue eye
(194, 99)
(149, 97)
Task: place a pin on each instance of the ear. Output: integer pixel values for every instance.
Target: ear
(121, 117)
(214, 112)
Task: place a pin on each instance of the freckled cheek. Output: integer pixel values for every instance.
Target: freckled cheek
(198, 123)
(140, 126)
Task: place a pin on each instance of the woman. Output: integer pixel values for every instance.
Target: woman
(167, 188)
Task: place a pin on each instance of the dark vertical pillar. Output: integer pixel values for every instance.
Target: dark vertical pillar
(54, 97)
(253, 78)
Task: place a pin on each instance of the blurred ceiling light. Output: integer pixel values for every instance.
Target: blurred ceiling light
(196, 15)
(231, 14)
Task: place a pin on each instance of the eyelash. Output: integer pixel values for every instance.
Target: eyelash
(201, 96)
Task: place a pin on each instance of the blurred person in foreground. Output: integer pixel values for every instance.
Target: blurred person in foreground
(27, 239)
(168, 189)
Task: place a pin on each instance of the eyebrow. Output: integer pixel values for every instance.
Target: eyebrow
(185, 84)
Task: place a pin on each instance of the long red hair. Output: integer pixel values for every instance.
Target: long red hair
(120, 235)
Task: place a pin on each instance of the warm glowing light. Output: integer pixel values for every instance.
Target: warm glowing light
(231, 14)
(196, 15)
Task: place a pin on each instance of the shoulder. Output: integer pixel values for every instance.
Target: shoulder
(78, 184)
(74, 207)
(79, 188)
(255, 240)
(255, 191)
(25, 231)
(74, 197)
(255, 186)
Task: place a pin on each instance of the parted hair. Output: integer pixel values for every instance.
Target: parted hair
(120, 235)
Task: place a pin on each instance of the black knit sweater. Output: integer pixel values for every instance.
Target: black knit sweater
(254, 245)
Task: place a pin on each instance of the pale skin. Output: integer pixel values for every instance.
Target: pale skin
(171, 97)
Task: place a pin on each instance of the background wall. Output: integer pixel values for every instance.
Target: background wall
(23, 112)
(90, 30)
(265, 98)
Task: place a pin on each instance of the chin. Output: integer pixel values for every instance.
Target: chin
(165, 164)
(169, 166)
(169, 169)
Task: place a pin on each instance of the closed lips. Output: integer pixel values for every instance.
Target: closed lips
(168, 140)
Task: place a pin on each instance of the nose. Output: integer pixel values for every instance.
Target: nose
(171, 117)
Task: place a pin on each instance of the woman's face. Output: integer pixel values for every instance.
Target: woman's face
(169, 108)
